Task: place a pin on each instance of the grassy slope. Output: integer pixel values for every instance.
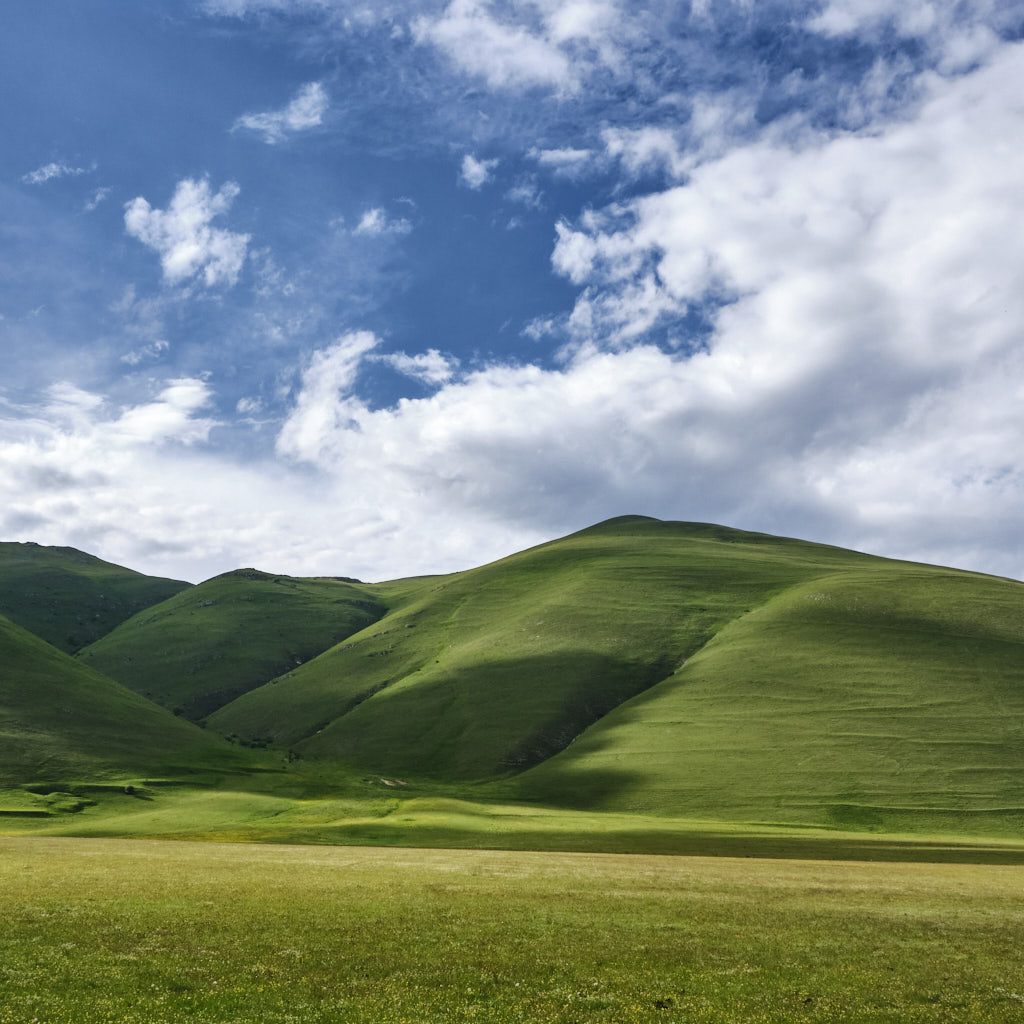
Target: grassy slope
(60, 721)
(750, 679)
(70, 598)
(495, 669)
(891, 698)
(202, 648)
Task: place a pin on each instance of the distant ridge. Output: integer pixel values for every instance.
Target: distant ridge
(70, 598)
(683, 670)
(209, 644)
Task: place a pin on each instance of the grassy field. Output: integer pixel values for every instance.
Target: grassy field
(159, 933)
(300, 805)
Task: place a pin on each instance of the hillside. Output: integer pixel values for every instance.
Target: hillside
(635, 672)
(493, 670)
(70, 598)
(683, 670)
(211, 643)
(890, 699)
(61, 720)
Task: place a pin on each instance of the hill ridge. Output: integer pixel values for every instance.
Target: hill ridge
(635, 667)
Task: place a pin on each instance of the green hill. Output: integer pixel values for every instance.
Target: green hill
(60, 721)
(637, 671)
(892, 699)
(493, 670)
(70, 598)
(205, 646)
(687, 670)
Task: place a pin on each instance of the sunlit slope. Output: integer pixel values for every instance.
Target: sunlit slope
(70, 598)
(202, 648)
(60, 720)
(892, 697)
(493, 670)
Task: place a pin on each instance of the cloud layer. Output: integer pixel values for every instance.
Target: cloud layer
(778, 246)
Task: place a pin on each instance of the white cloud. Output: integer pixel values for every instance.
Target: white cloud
(475, 173)
(170, 417)
(183, 237)
(304, 112)
(97, 197)
(144, 352)
(57, 169)
(248, 406)
(527, 194)
(645, 149)
(506, 55)
(430, 367)
(959, 35)
(375, 222)
(567, 162)
(549, 44)
(321, 412)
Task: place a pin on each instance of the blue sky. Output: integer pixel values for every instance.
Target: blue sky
(381, 289)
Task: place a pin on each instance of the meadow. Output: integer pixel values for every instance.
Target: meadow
(147, 932)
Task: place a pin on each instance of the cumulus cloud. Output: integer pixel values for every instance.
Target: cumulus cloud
(646, 149)
(959, 36)
(375, 222)
(505, 54)
(183, 237)
(814, 332)
(50, 171)
(305, 111)
(475, 173)
(430, 367)
(321, 412)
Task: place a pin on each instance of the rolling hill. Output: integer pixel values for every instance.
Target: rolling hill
(638, 668)
(891, 699)
(70, 598)
(61, 721)
(493, 670)
(207, 645)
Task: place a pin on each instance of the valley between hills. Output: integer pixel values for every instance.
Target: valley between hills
(640, 686)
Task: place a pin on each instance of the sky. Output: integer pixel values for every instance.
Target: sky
(329, 287)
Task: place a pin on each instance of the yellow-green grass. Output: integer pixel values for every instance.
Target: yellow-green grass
(889, 700)
(70, 598)
(62, 721)
(202, 648)
(493, 670)
(159, 933)
(293, 806)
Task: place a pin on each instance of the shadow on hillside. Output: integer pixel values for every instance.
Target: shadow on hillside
(491, 717)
